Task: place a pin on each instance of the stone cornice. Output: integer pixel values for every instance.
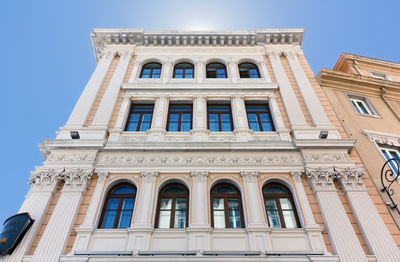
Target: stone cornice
(139, 37)
(383, 138)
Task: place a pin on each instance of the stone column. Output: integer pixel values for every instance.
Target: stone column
(159, 120)
(85, 230)
(373, 229)
(253, 200)
(135, 71)
(200, 73)
(239, 116)
(53, 241)
(292, 106)
(141, 227)
(310, 98)
(115, 132)
(343, 238)
(199, 228)
(106, 107)
(43, 183)
(166, 71)
(199, 130)
(81, 111)
(264, 69)
(283, 132)
(233, 72)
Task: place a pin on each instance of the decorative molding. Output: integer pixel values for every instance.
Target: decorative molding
(249, 176)
(62, 157)
(149, 176)
(296, 175)
(76, 179)
(321, 179)
(326, 157)
(202, 160)
(351, 179)
(102, 176)
(199, 176)
(383, 138)
(45, 179)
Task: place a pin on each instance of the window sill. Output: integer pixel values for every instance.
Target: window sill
(373, 116)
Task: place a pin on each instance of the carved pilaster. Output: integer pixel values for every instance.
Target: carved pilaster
(321, 179)
(351, 179)
(249, 176)
(45, 179)
(149, 176)
(199, 176)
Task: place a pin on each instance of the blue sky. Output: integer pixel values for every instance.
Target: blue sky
(47, 57)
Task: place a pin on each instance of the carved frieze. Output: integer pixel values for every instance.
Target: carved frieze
(202, 160)
(65, 157)
(326, 157)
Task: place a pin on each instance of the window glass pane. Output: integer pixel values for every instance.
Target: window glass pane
(124, 190)
(225, 189)
(218, 203)
(134, 118)
(274, 220)
(180, 219)
(166, 203)
(270, 204)
(290, 219)
(175, 190)
(254, 126)
(113, 203)
(225, 117)
(267, 127)
(156, 73)
(164, 219)
(186, 117)
(285, 203)
(233, 203)
(234, 219)
(211, 74)
(185, 127)
(178, 73)
(253, 73)
(146, 73)
(144, 127)
(180, 203)
(222, 108)
(124, 219)
(226, 127)
(146, 117)
(214, 127)
(127, 204)
(172, 127)
(173, 117)
(394, 154)
(213, 117)
(275, 190)
(265, 118)
(252, 117)
(362, 107)
(244, 74)
(132, 126)
(109, 218)
(355, 106)
(219, 219)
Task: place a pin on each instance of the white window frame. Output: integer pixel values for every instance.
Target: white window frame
(387, 150)
(381, 76)
(355, 99)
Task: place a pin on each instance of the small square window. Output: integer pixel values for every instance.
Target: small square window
(361, 105)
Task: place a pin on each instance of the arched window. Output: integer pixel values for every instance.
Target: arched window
(216, 70)
(281, 211)
(226, 207)
(151, 70)
(173, 208)
(183, 70)
(248, 70)
(118, 207)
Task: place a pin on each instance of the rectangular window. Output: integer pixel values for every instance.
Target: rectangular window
(219, 118)
(389, 154)
(139, 119)
(179, 118)
(362, 105)
(259, 117)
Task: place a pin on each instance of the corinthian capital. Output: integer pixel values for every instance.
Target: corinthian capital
(321, 179)
(249, 176)
(351, 178)
(149, 176)
(45, 179)
(273, 54)
(199, 176)
(76, 179)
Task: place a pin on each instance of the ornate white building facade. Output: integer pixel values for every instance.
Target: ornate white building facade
(203, 146)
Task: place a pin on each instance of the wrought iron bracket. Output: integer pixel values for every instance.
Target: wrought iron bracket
(389, 174)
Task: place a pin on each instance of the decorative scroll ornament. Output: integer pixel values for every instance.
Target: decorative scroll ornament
(352, 179)
(76, 179)
(45, 178)
(389, 174)
(321, 179)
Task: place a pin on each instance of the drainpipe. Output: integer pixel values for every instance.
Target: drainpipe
(383, 91)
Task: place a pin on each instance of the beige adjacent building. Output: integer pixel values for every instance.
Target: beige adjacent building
(365, 94)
